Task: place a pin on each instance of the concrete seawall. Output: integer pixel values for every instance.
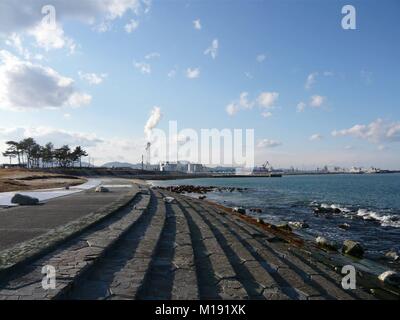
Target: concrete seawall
(147, 248)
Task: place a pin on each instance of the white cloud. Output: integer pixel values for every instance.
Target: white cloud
(152, 122)
(311, 80)
(193, 73)
(15, 41)
(143, 67)
(15, 17)
(261, 57)
(377, 131)
(266, 114)
(197, 24)
(328, 73)
(24, 85)
(242, 103)
(131, 26)
(267, 143)
(51, 38)
(213, 49)
(267, 99)
(171, 73)
(317, 101)
(312, 77)
(44, 134)
(301, 107)
(28, 19)
(232, 109)
(152, 55)
(100, 149)
(92, 78)
(316, 137)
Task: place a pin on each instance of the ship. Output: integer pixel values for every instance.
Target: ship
(266, 170)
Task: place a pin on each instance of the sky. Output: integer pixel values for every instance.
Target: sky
(314, 93)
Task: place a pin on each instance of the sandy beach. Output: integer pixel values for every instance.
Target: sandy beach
(23, 180)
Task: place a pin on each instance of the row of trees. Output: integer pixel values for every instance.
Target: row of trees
(32, 155)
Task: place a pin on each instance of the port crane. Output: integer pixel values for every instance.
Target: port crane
(267, 166)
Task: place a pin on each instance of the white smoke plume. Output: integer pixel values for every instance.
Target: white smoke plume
(153, 121)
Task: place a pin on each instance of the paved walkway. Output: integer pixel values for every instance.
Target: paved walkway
(19, 224)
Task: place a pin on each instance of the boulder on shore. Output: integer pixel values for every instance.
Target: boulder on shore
(353, 248)
(260, 221)
(24, 200)
(326, 210)
(239, 210)
(299, 225)
(102, 189)
(284, 226)
(390, 277)
(392, 255)
(326, 244)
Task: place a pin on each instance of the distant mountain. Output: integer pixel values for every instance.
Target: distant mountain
(117, 164)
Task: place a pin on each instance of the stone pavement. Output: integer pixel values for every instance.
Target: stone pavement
(187, 249)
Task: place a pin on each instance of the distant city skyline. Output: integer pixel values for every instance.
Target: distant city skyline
(109, 72)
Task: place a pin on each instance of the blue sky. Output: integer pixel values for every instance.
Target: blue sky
(285, 51)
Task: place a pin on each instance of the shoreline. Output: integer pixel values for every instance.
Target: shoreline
(210, 252)
(284, 228)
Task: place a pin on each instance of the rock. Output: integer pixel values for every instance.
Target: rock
(102, 189)
(239, 210)
(353, 248)
(23, 200)
(202, 197)
(169, 199)
(344, 226)
(390, 277)
(284, 226)
(320, 210)
(298, 225)
(260, 221)
(326, 244)
(392, 255)
(255, 210)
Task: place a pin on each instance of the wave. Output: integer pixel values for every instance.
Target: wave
(383, 218)
(386, 220)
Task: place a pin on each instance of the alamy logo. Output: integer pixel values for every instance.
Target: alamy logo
(349, 20)
(349, 280)
(49, 280)
(49, 19)
(209, 147)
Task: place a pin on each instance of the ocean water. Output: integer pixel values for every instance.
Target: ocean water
(369, 203)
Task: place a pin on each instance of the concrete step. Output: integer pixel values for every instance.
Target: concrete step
(123, 271)
(75, 257)
(217, 278)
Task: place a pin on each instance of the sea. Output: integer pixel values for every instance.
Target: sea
(369, 204)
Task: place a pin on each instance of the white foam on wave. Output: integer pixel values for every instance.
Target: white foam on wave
(335, 206)
(386, 220)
